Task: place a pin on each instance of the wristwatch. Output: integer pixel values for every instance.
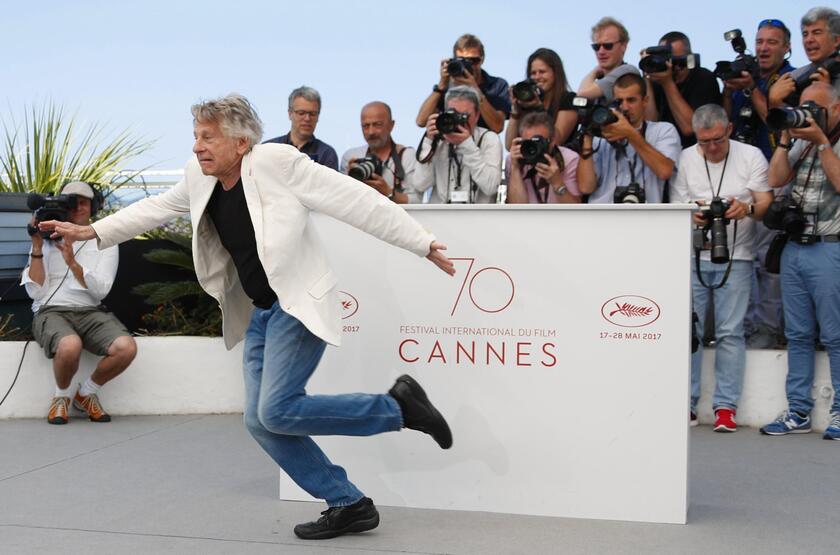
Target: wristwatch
(823, 146)
(751, 209)
(437, 89)
(560, 191)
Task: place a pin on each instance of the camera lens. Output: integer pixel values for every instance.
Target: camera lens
(363, 170)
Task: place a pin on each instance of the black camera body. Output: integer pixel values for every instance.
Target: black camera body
(365, 168)
(533, 150)
(49, 207)
(746, 126)
(459, 66)
(785, 214)
(631, 194)
(796, 118)
(715, 222)
(450, 120)
(656, 59)
(592, 114)
(527, 91)
(725, 70)
(831, 65)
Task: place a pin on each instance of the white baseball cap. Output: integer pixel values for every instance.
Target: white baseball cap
(78, 188)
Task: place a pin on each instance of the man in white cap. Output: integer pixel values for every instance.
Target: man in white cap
(67, 282)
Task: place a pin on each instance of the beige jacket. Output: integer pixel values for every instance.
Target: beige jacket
(281, 186)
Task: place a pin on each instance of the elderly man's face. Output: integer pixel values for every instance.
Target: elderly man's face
(218, 155)
(376, 126)
(714, 142)
(818, 41)
(464, 106)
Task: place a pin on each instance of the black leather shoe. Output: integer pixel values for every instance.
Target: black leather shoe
(418, 412)
(361, 516)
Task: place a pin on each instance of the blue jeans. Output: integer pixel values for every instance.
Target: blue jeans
(811, 295)
(731, 302)
(280, 356)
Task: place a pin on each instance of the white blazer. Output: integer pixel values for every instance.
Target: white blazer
(281, 186)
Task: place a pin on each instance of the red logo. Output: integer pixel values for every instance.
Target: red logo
(349, 304)
(630, 311)
(490, 289)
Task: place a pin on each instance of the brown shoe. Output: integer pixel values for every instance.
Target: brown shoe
(59, 410)
(91, 406)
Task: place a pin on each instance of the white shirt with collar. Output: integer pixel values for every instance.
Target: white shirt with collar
(409, 163)
(99, 269)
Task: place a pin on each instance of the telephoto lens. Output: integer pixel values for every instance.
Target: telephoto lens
(795, 118)
(365, 168)
(527, 91)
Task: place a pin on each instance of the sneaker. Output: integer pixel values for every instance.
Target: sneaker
(725, 421)
(361, 516)
(91, 406)
(59, 411)
(833, 429)
(418, 412)
(788, 423)
(692, 419)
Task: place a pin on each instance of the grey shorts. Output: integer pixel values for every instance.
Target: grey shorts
(96, 327)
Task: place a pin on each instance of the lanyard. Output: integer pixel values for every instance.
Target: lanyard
(709, 175)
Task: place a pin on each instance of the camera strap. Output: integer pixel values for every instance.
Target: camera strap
(426, 159)
(621, 150)
(396, 157)
(728, 264)
(722, 173)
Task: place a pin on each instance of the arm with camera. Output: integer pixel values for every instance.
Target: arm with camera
(516, 192)
(754, 94)
(435, 99)
(680, 109)
(780, 90)
(484, 163)
(829, 160)
(660, 164)
(587, 179)
(37, 273)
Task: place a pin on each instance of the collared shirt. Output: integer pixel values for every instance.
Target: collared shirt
(810, 69)
(699, 88)
(613, 167)
(99, 269)
(761, 132)
(317, 149)
(547, 195)
(819, 197)
(743, 171)
(607, 82)
(478, 161)
(408, 161)
(495, 90)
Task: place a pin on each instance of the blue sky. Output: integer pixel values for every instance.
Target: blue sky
(142, 65)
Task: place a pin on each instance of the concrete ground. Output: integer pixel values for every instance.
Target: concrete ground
(199, 484)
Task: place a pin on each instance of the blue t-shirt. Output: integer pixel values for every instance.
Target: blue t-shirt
(317, 149)
(761, 134)
(495, 90)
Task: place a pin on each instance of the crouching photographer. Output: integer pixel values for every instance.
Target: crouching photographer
(728, 180)
(539, 171)
(810, 262)
(459, 159)
(67, 282)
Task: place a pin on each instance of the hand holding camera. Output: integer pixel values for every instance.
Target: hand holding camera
(461, 70)
(619, 130)
(526, 95)
(37, 238)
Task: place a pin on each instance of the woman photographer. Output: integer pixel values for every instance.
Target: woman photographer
(545, 68)
(539, 171)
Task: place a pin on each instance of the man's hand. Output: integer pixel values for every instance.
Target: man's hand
(533, 103)
(737, 210)
(439, 259)
(66, 248)
(68, 231)
(780, 90)
(379, 183)
(813, 133)
(459, 136)
(516, 151)
(550, 170)
(622, 129)
(37, 240)
(744, 82)
(444, 73)
(662, 77)
(466, 78)
(431, 126)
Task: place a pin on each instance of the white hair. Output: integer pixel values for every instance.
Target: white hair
(234, 114)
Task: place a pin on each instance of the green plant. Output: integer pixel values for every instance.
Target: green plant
(183, 308)
(50, 150)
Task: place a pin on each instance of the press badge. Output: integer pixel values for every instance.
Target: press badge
(457, 196)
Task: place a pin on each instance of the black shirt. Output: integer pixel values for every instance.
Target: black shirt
(229, 213)
(318, 150)
(700, 88)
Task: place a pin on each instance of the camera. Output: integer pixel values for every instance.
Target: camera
(592, 114)
(527, 91)
(746, 125)
(831, 65)
(450, 120)
(50, 207)
(725, 70)
(657, 57)
(715, 222)
(458, 66)
(796, 118)
(533, 150)
(631, 194)
(365, 168)
(784, 214)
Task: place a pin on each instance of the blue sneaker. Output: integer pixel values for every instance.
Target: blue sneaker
(788, 423)
(833, 430)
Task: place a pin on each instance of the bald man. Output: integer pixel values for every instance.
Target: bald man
(394, 178)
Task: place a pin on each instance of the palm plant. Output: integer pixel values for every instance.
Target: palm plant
(50, 150)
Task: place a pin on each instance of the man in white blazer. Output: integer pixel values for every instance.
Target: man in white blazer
(256, 253)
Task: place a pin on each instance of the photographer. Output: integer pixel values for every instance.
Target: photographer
(810, 262)
(539, 171)
(67, 282)
(463, 164)
(544, 70)
(609, 42)
(820, 41)
(304, 111)
(679, 90)
(394, 162)
(730, 180)
(746, 94)
(631, 154)
(464, 69)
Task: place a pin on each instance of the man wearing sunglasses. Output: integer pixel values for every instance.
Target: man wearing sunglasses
(304, 111)
(495, 100)
(609, 41)
(680, 89)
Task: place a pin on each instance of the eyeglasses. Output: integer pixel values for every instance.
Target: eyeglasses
(605, 45)
(303, 113)
(716, 141)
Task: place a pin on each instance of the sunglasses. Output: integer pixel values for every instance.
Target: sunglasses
(605, 45)
(772, 23)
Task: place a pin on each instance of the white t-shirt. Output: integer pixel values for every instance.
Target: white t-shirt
(746, 170)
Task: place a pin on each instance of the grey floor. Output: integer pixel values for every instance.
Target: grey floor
(199, 484)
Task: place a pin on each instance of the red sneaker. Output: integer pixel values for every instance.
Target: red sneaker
(725, 420)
